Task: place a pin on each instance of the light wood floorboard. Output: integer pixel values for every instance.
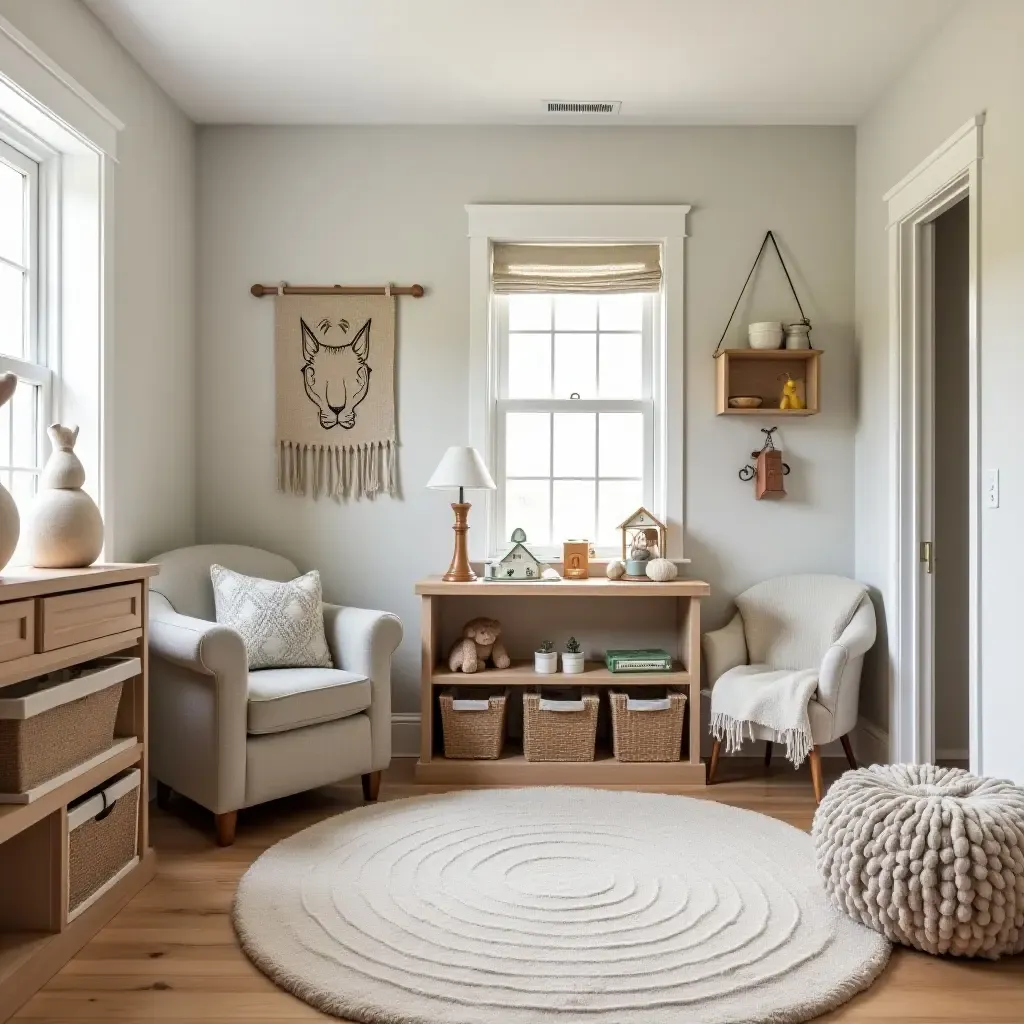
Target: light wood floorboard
(171, 955)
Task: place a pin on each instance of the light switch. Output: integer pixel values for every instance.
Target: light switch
(992, 488)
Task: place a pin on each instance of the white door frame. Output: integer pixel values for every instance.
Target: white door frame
(950, 174)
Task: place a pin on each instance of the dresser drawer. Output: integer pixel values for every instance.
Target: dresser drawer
(88, 614)
(17, 629)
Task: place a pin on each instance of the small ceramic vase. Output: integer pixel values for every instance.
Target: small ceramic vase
(10, 521)
(65, 527)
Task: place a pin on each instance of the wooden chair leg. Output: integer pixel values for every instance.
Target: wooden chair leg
(163, 795)
(716, 748)
(226, 825)
(848, 749)
(767, 753)
(371, 786)
(819, 783)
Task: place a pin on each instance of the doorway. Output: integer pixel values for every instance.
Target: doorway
(950, 484)
(932, 603)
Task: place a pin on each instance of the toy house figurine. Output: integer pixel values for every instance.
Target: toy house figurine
(517, 564)
(770, 474)
(642, 530)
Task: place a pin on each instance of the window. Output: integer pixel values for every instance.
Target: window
(574, 414)
(567, 301)
(22, 351)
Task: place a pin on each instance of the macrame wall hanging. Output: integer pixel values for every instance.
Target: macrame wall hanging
(334, 359)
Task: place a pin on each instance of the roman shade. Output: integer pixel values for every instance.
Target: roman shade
(601, 269)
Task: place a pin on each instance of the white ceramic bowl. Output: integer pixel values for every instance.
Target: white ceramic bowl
(767, 334)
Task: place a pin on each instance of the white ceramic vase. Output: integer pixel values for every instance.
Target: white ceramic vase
(10, 521)
(65, 526)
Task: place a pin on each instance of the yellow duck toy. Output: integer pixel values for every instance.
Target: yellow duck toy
(790, 399)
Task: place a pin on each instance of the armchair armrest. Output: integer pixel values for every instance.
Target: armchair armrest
(199, 683)
(195, 644)
(363, 641)
(725, 648)
(839, 677)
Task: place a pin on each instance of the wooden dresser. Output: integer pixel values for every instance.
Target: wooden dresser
(52, 620)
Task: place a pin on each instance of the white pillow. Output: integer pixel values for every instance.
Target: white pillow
(281, 624)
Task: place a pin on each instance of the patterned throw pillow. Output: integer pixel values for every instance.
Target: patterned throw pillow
(281, 624)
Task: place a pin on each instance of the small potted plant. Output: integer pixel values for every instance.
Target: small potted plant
(572, 659)
(545, 659)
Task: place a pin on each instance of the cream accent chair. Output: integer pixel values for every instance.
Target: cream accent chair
(800, 622)
(229, 738)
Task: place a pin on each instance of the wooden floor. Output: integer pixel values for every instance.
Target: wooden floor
(171, 954)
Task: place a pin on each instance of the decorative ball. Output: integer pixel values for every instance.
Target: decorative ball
(930, 857)
(661, 570)
(616, 570)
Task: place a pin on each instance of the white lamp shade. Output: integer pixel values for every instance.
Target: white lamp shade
(461, 467)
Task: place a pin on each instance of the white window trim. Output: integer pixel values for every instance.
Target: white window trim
(30, 156)
(664, 225)
(76, 138)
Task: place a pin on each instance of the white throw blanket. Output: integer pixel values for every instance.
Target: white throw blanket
(750, 695)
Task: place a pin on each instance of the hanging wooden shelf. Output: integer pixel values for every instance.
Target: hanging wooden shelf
(743, 372)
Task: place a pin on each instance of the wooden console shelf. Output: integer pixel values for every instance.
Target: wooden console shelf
(512, 768)
(56, 619)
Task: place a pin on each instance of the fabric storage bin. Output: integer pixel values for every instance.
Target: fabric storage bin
(53, 723)
(647, 730)
(102, 838)
(559, 730)
(473, 729)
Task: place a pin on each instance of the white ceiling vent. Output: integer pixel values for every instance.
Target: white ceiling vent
(583, 106)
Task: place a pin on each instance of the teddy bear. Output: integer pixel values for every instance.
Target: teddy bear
(478, 643)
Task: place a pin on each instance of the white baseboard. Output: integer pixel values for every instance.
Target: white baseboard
(405, 734)
(870, 743)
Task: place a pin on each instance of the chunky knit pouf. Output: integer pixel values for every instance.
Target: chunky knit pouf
(931, 857)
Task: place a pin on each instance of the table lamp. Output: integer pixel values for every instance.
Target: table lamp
(461, 467)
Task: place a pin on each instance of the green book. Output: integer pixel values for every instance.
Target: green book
(640, 660)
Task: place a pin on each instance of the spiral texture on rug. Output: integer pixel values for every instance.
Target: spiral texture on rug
(931, 857)
(553, 905)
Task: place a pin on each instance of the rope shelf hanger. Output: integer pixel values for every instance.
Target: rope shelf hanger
(259, 290)
(769, 236)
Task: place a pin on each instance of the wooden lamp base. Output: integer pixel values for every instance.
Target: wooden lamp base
(459, 571)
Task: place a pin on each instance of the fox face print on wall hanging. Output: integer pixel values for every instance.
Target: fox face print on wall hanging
(335, 394)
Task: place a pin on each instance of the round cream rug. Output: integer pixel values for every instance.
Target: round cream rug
(544, 905)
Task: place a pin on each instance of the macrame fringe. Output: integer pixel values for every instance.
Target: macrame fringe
(731, 730)
(334, 471)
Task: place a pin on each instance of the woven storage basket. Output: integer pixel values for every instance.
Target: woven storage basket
(102, 836)
(647, 735)
(476, 735)
(50, 725)
(559, 735)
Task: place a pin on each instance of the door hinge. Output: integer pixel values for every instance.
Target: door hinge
(928, 555)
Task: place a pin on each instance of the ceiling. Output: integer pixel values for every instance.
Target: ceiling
(498, 61)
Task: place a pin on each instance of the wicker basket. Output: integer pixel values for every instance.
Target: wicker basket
(53, 723)
(476, 734)
(559, 735)
(102, 838)
(648, 735)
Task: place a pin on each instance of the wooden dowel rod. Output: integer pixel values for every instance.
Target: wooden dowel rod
(259, 290)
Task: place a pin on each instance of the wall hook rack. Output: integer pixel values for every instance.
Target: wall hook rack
(768, 469)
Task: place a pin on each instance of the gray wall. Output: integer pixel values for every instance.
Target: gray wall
(951, 481)
(371, 205)
(154, 447)
(972, 65)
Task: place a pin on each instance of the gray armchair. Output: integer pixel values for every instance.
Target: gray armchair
(229, 738)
